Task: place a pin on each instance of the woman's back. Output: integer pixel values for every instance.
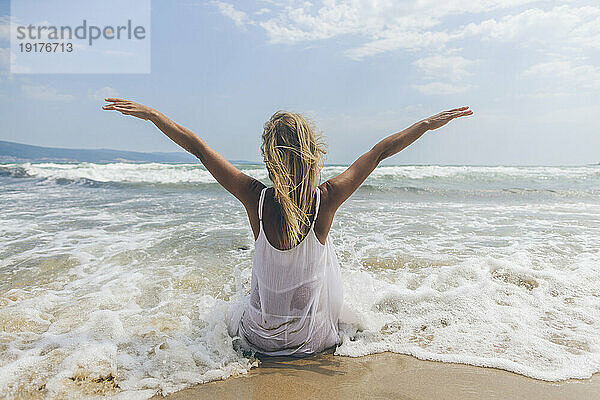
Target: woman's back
(296, 295)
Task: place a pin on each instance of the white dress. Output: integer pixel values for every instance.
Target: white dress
(296, 296)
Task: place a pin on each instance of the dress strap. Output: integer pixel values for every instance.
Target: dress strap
(317, 203)
(260, 204)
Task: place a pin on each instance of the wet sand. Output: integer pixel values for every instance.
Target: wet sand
(384, 376)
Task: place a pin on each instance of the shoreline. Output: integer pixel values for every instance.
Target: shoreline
(384, 376)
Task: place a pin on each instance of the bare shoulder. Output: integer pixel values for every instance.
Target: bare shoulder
(325, 188)
(251, 203)
(254, 188)
(327, 209)
(329, 201)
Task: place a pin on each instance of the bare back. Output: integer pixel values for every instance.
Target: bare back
(323, 219)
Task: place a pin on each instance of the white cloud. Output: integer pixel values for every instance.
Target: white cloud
(386, 25)
(375, 21)
(434, 88)
(393, 40)
(565, 75)
(453, 68)
(239, 17)
(299, 21)
(45, 93)
(564, 28)
(103, 93)
(452, 7)
(560, 27)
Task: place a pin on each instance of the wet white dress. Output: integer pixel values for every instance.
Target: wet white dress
(296, 296)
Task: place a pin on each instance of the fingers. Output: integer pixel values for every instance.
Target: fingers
(119, 102)
(449, 115)
(119, 106)
(464, 113)
(460, 109)
(452, 112)
(461, 112)
(122, 109)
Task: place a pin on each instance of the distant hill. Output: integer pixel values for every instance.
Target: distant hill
(11, 152)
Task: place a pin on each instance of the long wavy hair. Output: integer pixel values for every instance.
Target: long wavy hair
(293, 152)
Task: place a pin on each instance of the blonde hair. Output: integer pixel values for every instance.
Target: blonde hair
(293, 154)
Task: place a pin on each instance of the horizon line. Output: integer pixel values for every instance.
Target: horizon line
(256, 162)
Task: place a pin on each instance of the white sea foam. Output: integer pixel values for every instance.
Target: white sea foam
(104, 290)
(486, 312)
(195, 173)
(128, 173)
(100, 326)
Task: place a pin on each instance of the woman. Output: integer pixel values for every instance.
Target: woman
(296, 295)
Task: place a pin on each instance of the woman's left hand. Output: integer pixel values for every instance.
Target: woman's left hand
(441, 119)
(128, 107)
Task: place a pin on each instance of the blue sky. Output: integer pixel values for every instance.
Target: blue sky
(360, 70)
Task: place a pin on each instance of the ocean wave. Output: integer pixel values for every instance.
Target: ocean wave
(118, 172)
(14, 172)
(381, 176)
(488, 173)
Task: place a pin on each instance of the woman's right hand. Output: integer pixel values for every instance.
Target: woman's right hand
(128, 107)
(441, 119)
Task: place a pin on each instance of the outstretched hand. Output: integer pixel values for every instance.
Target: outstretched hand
(128, 107)
(441, 119)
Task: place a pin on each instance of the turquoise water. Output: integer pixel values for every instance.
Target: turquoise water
(116, 278)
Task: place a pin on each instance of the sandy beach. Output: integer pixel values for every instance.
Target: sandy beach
(384, 376)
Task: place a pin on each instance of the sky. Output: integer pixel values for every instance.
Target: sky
(359, 70)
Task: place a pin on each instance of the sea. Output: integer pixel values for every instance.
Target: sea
(116, 279)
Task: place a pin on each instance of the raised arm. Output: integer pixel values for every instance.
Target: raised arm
(242, 186)
(340, 187)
